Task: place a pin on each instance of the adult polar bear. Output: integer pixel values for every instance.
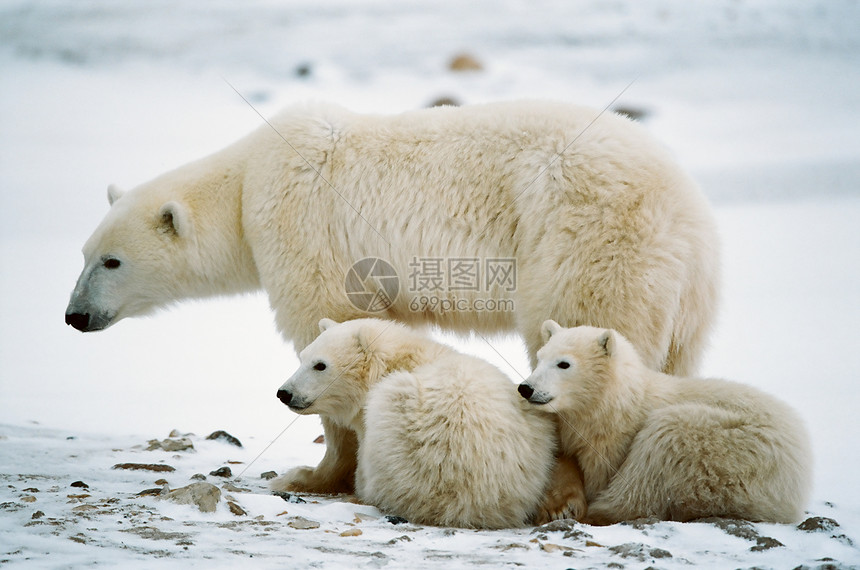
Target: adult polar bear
(604, 228)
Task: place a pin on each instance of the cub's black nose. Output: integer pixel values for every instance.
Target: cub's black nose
(80, 321)
(285, 397)
(525, 391)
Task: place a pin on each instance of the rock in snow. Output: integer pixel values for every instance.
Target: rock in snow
(204, 496)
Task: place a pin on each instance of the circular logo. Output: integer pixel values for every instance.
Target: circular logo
(372, 284)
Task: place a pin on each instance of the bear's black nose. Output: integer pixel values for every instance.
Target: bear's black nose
(285, 397)
(525, 391)
(80, 321)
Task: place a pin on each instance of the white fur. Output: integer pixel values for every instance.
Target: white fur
(443, 437)
(605, 228)
(653, 445)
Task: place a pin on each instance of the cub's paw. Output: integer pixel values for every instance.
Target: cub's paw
(296, 480)
(557, 507)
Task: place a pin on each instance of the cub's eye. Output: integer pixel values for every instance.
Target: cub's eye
(564, 364)
(319, 366)
(111, 263)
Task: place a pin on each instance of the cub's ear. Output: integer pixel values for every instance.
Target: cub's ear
(549, 328)
(326, 324)
(173, 219)
(114, 193)
(606, 342)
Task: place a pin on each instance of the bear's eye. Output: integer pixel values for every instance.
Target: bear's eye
(111, 263)
(319, 366)
(564, 364)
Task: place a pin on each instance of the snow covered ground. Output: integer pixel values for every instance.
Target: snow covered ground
(757, 98)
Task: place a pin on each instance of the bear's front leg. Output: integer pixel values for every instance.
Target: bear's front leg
(335, 473)
(565, 498)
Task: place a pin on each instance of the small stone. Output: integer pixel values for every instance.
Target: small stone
(639, 551)
(199, 477)
(180, 444)
(80, 484)
(37, 515)
(161, 482)
(352, 532)
(556, 526)
(267, 475)
(577, 534)
(733, 527)
(222, 435)
(236, 509)
(288, 497)
(550, 547)
(203, 495)
(151, 492)
(222, 472)
(84, 508)
(303, 70)
(816, 524)
(301, 523)
(401, 538)
(28, 499)
(765, 543)
(465, 62)
(31, 490)
(234, 489)
(144, 467)
(320, 439)
(78, 497)
(395, 519)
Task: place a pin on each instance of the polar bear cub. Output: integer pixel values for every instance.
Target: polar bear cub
(443, 437)
(654, 445)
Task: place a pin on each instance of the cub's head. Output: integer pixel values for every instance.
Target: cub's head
(137, 259)
(338, 368)
(575, 366)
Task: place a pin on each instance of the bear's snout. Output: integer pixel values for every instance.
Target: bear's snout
(535, 397)
(285, 397)
(525, 391)
(80, 321)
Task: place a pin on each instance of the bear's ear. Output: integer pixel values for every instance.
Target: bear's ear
(326, 324)
(606, 342)
(114, 193)
(173, 219)
(549, 328)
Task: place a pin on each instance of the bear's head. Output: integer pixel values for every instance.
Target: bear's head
(134, 261)
(575, 366)
(338, 368)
